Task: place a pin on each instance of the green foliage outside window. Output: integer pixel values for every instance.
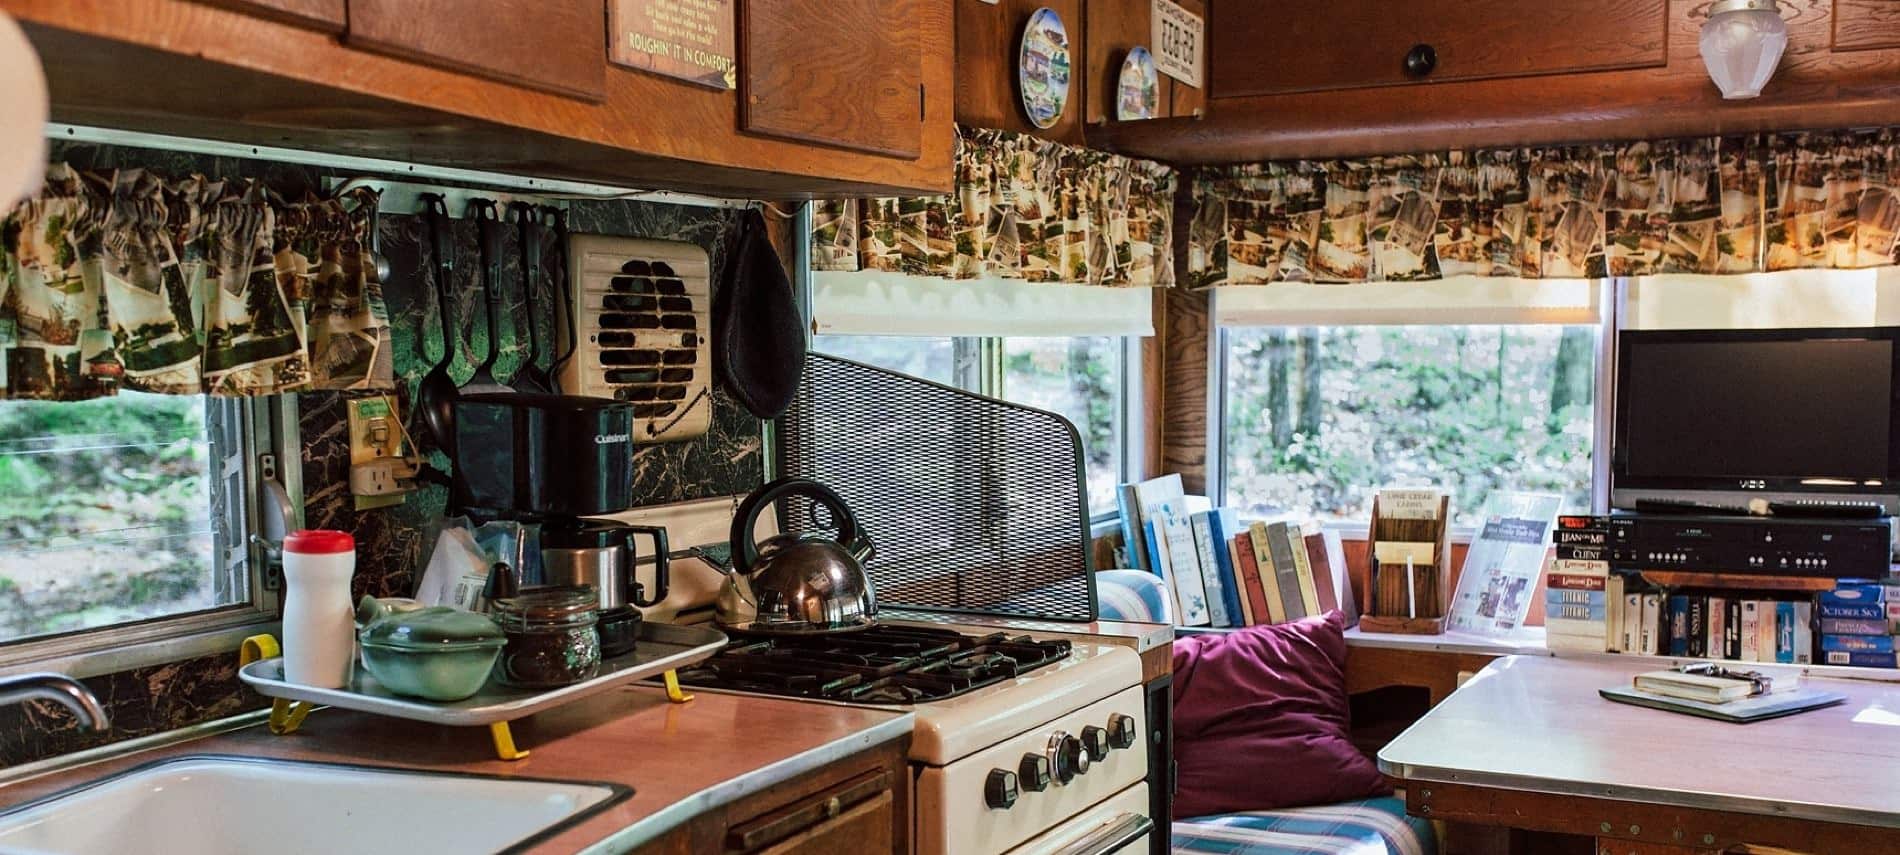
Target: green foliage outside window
(1319, 418)
(105, 512)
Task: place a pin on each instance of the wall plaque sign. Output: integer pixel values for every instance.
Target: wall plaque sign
(1176, 39)
(692, 40)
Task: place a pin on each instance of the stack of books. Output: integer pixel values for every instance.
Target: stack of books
(1854, 626)
(1582, 598)
(1743, 630)
(1226, 573)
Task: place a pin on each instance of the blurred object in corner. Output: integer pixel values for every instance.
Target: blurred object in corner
(23, 126)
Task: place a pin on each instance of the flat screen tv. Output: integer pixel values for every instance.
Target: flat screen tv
(1726, 416)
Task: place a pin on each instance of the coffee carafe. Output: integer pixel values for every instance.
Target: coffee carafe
(601, 553)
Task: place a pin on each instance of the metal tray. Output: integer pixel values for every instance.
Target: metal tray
(661, 647)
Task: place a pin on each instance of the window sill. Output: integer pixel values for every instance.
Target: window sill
(107, 652)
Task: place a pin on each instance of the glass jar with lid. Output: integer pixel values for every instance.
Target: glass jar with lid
(552, 637)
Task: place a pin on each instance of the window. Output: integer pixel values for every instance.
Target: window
(929, 358)
(1317, 418)
(1084, 379)
(126, 519)
(1475, 385)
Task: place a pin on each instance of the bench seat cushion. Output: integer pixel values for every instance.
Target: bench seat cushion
(1366, 827)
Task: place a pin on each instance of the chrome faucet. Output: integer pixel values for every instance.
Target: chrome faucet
(65, 690)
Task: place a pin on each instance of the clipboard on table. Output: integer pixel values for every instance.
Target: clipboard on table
(1742, 711)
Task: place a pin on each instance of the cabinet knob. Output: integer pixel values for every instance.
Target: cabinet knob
(1421, 60)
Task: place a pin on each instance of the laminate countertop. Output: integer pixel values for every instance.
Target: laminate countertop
(680, 759)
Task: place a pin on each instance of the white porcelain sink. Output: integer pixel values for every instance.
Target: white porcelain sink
(208, 805)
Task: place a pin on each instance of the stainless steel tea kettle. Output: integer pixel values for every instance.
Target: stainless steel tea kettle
(797, 584)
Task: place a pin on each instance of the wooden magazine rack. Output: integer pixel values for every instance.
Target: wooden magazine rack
(1385, 608)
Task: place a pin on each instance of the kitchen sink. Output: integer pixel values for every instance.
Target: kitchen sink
(211, 804)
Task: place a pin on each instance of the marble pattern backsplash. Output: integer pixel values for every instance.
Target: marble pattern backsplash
(390, 542)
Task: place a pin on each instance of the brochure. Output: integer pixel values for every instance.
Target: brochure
(1503, 563)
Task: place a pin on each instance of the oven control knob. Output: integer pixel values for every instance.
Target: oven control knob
(1095, 742)
(1121, 731)
(1033, 773)
(1066, 758)
(999, 791)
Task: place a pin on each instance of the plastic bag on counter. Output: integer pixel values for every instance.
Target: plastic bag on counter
(470, 564)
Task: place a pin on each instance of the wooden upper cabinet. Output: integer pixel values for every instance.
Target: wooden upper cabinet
(989, 37)
(1866, 24)
(1351, 44)
(846, 73)
(557, 45)
(329, 16)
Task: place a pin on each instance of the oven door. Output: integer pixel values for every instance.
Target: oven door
(1117, 825)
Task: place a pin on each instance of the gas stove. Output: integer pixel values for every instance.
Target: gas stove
(1022, 744)
(880, 665)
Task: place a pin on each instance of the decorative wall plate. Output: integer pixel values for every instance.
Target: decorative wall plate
(1042, 68)
(1139, 94)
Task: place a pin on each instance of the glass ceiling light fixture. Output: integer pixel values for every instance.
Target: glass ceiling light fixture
(1741, 43)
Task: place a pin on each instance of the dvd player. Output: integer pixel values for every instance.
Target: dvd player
(1764, 546)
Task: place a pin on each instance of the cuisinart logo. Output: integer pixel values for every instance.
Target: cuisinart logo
(611, 438)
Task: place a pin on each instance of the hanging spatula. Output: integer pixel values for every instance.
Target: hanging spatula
(488, 219)
(531, 377)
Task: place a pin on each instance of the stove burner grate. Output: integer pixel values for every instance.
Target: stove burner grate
(881, 665)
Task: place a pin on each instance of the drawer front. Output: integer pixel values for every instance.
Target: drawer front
(861, 830)
(558, 45)
(1362, 43)
(819, 817)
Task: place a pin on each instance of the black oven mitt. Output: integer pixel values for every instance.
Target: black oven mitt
(758, 336)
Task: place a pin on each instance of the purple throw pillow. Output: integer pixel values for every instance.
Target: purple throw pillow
(1260, 718)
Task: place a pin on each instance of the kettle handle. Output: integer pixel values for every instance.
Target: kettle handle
(745, 551)
(660, 556)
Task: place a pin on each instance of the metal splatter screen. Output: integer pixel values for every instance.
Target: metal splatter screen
(976, 505)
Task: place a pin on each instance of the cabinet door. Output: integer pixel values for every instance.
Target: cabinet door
(846, 73)
(1866, 24)
(558, 45)
(1349, 44)
(326, 15)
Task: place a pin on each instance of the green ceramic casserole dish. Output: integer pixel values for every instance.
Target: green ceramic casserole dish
(436, 653)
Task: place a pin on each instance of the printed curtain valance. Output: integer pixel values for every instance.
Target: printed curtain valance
(128, 280)
(1727, 205)
(1023, 208)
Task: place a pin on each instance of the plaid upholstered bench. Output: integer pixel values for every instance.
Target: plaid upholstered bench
(1368, 827)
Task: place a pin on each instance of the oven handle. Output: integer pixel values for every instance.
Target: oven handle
(1113, 837)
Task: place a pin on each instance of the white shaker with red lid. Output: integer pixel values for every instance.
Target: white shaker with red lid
(319, 622)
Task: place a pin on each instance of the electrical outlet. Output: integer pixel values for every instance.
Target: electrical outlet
(385, 477)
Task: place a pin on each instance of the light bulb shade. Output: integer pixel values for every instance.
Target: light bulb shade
(23, 123)
(1741, 44)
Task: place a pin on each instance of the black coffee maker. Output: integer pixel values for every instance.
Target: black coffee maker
(559, 461)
